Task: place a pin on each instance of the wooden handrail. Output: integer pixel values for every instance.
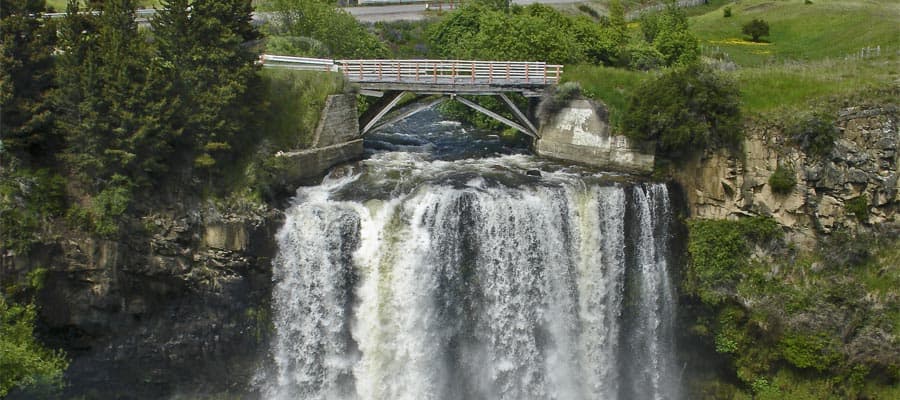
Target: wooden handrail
(447, 72)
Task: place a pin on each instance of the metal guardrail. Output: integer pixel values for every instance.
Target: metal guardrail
(442, 72)
(143, 13)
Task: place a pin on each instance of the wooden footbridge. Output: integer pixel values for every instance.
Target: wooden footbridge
(433, 81)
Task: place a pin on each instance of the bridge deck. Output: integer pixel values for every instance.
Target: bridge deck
(438, 76)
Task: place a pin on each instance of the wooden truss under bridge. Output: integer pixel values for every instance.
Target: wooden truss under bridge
(390, 80)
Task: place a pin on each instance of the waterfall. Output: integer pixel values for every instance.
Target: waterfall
(471, 280)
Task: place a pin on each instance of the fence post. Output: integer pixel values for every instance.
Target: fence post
(379, 70)
(435, 72)
(490, 73)
(527, 80)
(473, 72)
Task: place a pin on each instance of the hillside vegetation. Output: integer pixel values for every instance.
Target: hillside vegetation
(813, 51)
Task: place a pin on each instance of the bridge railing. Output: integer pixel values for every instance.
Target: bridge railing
(451, 71)
(442, 72)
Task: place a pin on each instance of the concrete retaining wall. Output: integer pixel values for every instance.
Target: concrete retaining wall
(580, 133)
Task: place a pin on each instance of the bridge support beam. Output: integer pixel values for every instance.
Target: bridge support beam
(420, 104)
(498, 117)
(518, 113)
(392, 100)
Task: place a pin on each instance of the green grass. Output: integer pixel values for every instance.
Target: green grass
(801, 32)
(296, 99)
(790, 87)
(611, 85)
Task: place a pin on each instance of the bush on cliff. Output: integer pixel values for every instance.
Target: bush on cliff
(684, 110)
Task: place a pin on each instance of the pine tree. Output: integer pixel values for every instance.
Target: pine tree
(26, 78)
(204, 44)
(113, 115)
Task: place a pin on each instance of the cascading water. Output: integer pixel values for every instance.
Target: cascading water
(415, 278)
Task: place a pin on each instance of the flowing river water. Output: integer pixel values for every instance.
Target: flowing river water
(448, 265)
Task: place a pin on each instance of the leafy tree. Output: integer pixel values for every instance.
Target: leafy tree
(535, 32)
(684, 110)
(674, 39)
(669, 34)
(756, 29)
(317, 28)
(24, 362)
(26, 77)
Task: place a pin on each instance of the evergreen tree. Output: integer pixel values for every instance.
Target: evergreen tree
(26, 77)
(111, 112)
(203, 45)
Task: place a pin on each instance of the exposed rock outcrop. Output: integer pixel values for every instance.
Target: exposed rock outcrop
(178, 305)
(862, 167)
(580, 133)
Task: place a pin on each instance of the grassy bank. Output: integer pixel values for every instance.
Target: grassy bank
(813, 52)
(294, 102)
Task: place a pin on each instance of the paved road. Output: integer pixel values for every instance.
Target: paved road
(415, 12)
(401, 12)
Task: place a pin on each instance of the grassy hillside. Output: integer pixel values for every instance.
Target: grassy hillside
(801, 32)
(813, 52)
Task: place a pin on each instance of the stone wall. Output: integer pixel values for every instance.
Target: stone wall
(864, 161)
(337, 140)
(580, 133)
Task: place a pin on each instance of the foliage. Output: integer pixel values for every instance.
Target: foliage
(756, 29)
(318, 29)
(203, 46)
(726, 12)
(668, 32)
(27, 200)
(814, 133)
(406, 39)
(809, 351)
(535, 32)
(685, 110)
(26, 77)
(104, 96)
(719, 252)
(104, 214)
(783, 180)
(859, 207)
(25, 364)
(794, 331)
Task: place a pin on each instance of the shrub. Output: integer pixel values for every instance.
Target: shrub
(815, 134)
(685, 110)
(642, 56)
(589, 11)
(25, 364)
(859, 207)
(726, 12)
(809, 351)
(782, 180)
(756, 29)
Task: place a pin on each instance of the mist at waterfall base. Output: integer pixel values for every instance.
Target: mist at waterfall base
(445, 267)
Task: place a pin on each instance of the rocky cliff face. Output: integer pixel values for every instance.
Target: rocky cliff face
(179, 305)
(861, 167)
